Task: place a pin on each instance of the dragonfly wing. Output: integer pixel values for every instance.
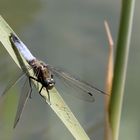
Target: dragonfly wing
(87, 89)
(25, 92)
(12, 83)
(72, 89)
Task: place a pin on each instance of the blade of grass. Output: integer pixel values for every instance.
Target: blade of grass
(109, 80)
(57, 103)
(110, 63)
(123, 44)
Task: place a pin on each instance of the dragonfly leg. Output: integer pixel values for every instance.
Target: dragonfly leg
(41, 89)
(30, 77)
(47, 92)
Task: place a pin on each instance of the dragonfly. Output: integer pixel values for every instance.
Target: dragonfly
(45, 74)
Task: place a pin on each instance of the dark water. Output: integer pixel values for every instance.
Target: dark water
(71, 35)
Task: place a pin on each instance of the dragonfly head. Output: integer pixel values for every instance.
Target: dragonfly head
(49, 83)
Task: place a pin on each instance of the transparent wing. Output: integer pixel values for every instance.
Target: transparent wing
(24, 95)
(12, 83)
(64, 86)
(86, 89)
(25, 92)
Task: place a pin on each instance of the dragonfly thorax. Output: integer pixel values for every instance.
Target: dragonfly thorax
(42, 73)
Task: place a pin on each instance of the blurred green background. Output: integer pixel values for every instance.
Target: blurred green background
(69, 34)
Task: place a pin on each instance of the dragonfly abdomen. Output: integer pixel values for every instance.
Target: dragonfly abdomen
(21, 48)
